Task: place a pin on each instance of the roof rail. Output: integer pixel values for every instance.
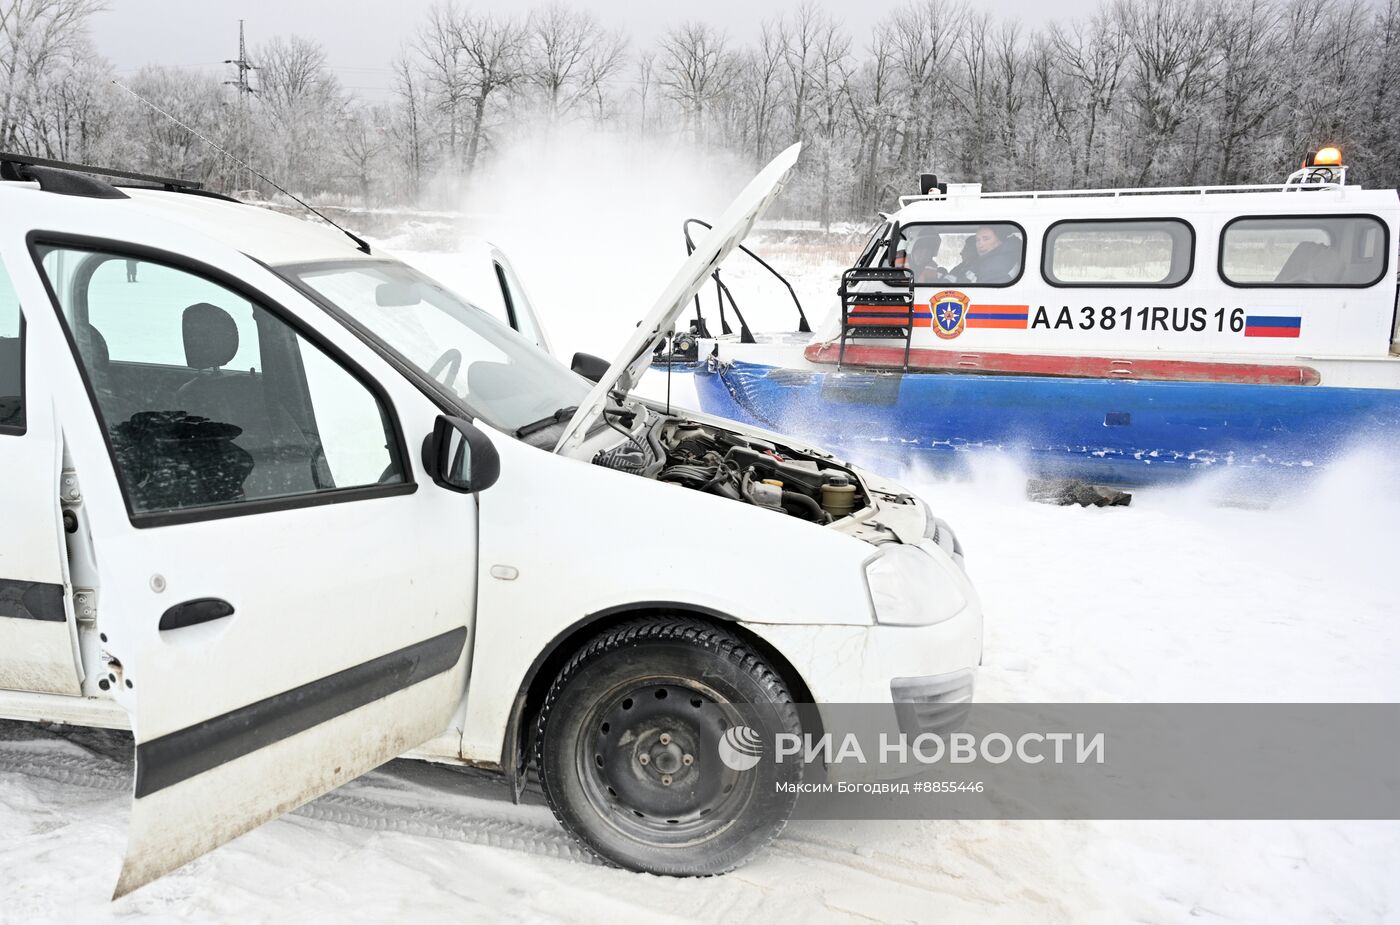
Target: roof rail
(10, 162)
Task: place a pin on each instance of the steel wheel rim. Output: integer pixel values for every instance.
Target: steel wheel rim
(644, 733)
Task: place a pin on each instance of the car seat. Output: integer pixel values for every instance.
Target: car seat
(116, 408)
(1311, 263)
(284, 458)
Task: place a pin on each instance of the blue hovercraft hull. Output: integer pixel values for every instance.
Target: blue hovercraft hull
(1105, 431)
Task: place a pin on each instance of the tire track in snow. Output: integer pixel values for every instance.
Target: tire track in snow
(952, 872)
(377, 815)
(879, 865)
(348, 807)
(343, 806)
(86, 771)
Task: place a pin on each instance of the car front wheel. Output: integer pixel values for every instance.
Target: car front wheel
(655, 748)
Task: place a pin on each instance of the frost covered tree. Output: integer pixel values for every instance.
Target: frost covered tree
(831, 73)
(695, 71)
(470, 62)
(408, 123)
(1379, 135)
(366, 134)
(299, 111)
(493, 48)
(47, 94)
(1138, 92)
(874, 109)
(1170, 77)
(1147, 92)
(159, 145)
(570, 58)
(1246, 42)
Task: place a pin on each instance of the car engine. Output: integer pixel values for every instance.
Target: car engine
(768, 475)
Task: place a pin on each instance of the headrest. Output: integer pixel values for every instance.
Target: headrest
(101, 357)
(211, 336)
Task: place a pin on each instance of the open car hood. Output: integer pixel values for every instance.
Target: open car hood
(731, 229)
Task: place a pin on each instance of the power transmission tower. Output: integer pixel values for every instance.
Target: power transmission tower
(244, 66)
(242, 140)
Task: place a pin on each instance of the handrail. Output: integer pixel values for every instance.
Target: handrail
(802, 325)
(1284, 187)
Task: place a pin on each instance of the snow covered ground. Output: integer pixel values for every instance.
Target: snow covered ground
(1175, 598)
(1179, 597)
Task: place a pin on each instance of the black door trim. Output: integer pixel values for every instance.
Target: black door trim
(188, 752)
(31, 600)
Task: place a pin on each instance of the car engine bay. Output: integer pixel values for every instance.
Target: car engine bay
(705, 458)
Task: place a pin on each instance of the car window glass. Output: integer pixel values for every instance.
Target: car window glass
(208, 398)
(962, 254)
(142, 303)
(11, 357)
(501, 375)
(1302, 252)
(1118, 253)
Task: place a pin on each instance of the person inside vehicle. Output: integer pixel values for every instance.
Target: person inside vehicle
(995, 258)
(923, 260)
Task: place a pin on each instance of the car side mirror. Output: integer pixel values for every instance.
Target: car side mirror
(589, 367)
(458, 457)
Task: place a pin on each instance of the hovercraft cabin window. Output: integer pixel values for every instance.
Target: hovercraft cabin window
(1291, 252)
(962, 253)
(11, 359)
(1139, 253)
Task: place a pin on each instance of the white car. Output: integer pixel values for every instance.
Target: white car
(286, 508)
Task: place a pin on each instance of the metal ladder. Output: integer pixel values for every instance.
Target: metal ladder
(884, 310)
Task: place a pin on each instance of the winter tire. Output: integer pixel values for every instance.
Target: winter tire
(631, 740)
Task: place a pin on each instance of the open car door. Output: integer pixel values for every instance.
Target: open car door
(283, 604)
(38, 635)
(480, 272)
(520, 310)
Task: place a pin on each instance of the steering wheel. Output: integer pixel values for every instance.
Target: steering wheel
(450, 362)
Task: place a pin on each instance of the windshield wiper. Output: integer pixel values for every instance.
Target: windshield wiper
(534, 427)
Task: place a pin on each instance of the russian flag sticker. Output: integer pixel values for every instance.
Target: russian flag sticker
(1272, 325)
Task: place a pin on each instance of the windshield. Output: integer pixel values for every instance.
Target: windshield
(499, 375)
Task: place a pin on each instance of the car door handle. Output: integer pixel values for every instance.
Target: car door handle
(199, 610)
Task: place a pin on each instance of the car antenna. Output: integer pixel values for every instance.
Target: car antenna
(360, 242)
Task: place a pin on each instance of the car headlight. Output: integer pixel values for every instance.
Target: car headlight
(937, 529)
(909, 587)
